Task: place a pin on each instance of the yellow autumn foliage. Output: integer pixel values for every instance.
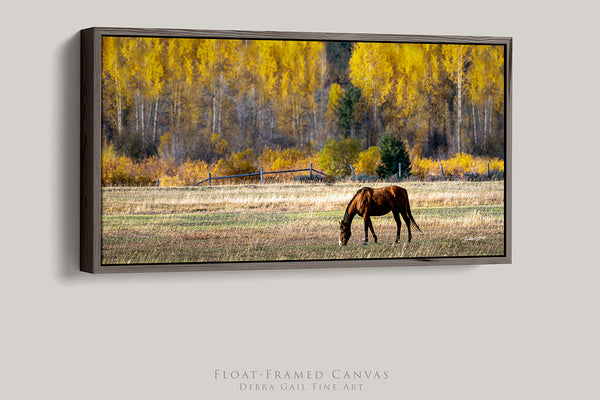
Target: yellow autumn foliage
(187, 174)
(278, 159)
(119, 170)
(458, 166)
(368, 161)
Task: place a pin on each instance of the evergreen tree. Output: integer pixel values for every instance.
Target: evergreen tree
(347, 111)
(393, 152)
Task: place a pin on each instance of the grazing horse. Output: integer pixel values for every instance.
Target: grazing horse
(368, 202)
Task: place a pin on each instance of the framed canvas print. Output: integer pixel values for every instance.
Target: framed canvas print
(220, 150)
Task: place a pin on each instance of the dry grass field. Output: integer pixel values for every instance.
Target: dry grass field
(293, 222)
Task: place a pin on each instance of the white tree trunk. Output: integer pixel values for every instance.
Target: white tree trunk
(154, 121)
(459, 101)
(143, 118)
(137, 116)
(119, 107)
(485, 121)
(490, 117)
(214, 109)
(220, 103)
(474, 116)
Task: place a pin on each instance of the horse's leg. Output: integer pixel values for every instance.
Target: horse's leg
(398, 225)
(367, 220)
(407, 221)
(369, 225)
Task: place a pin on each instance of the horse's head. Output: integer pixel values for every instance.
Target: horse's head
(344, 233)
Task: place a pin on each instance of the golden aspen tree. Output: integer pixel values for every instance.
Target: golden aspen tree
(267, 67)
(286, 78)
(219, 70)
(455, 57)
(314, 88)
(411, 103)
(207, 64)
(153, 76)
(431, 95)
(409, 62)
(180, 77)
(289, 66)
(132, 51)
(372, 71)
(388, 74)
(335, 95)
(114, 81)
(143, 58)
(266, 90)
(305, 73)
(486, 90)
(256, 63)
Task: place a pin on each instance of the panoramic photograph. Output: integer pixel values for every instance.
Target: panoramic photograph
(254, 150)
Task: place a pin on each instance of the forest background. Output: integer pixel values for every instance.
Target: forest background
(176, 109)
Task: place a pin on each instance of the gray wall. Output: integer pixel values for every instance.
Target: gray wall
(522, 331)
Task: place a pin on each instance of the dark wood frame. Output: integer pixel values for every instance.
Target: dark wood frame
(90, 207)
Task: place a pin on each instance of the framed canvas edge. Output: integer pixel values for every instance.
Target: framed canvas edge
(508, 172)
(292, 35)
(90, 150)
(308, 264)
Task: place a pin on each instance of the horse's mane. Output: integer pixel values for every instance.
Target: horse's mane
(350, 202)
(353, 198)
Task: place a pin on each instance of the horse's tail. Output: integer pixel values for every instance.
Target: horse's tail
(412, 220)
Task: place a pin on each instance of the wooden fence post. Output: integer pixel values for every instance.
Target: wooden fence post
(262, 179)
(399, 171)
(488, 170)
(442, 169)
(352, 169)
(209, 179)
(157, 182)
(310, 173)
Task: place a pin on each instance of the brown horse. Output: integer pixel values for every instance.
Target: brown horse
(368, 202)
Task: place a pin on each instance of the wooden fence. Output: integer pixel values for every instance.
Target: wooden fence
(311, 171)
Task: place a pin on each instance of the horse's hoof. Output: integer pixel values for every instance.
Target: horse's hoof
(364, 243)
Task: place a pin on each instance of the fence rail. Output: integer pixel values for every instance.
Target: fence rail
(261, 173)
